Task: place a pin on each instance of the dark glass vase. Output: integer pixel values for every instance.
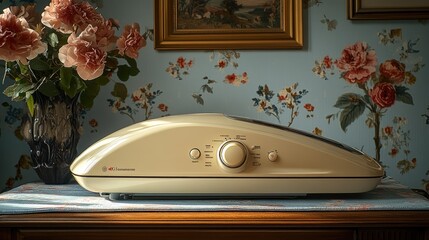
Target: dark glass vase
(52, 134)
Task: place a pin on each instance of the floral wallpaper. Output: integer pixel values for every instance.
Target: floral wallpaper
(363, 83)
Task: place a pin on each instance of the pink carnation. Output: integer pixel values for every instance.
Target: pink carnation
(83, 53)
(66, 15)
(17, 40)
(131, 41)
(105, 34)
(357, 63)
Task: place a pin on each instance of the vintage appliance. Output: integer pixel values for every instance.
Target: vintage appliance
(214, 155)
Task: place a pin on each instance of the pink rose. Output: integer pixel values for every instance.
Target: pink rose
(83, 53)
(357, 63)
(393, 71)
(383, 94)
(18, 42)
(130, 42)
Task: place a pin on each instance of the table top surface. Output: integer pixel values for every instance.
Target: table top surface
(41, 198)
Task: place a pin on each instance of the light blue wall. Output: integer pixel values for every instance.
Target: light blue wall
(275, 68)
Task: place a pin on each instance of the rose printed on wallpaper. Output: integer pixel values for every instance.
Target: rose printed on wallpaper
(321, 68)
(381, 86)
(179, 68)
(404, 49)
(310, 108)
(93, 123)
(288, 98)
(142, 98)
(207, 87)
(396, 139)
(393, 35)
(236, 80)
(225, 58)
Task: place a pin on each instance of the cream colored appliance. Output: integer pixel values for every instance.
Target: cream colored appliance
(200, 155)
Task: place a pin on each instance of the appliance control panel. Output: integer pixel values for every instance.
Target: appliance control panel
(218, 146)
(233, 153)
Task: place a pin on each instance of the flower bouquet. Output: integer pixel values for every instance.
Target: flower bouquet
(57, 62)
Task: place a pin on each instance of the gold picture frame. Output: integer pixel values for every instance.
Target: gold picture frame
(387, 9)
(182, 27)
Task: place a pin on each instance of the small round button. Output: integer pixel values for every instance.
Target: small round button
(272, 156)
(195, 153)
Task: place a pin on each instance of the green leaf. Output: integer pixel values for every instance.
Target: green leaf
(49, 89)
(53, 40)
(207, 88)
(30, 105)
(133, 71)
(23, 68)
(69, 83)
(123, 73)
(350, 113)
(65, 77)
(403, 96)
(198, 98)
(347, 99)
(132, 62)
(120, 91)
(88, 95)
(39, 65)
(102, 80)
(17, 91)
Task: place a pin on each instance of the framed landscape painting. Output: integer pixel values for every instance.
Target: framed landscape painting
(228, 24)
(387, 9)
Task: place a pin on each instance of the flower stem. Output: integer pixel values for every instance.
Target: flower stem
(5, 72)
(377, 136)
(292, 116)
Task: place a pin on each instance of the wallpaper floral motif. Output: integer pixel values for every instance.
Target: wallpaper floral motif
(288, 99)
(381, 87)
(341, 83)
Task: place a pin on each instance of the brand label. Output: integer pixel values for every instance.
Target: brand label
(117, 169)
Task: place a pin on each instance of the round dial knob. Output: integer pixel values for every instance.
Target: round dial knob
(232, 154)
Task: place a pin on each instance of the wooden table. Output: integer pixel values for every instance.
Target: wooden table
(392, 225)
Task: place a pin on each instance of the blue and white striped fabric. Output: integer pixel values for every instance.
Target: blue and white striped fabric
(40, 198)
